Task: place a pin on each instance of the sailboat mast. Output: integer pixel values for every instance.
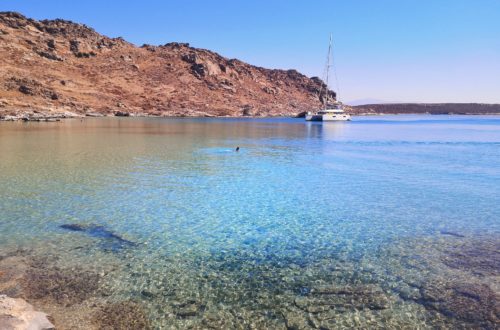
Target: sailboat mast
(328, 70)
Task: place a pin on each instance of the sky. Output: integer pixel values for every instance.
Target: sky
(384, 50)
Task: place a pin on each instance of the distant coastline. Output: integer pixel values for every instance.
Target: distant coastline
(427, 108)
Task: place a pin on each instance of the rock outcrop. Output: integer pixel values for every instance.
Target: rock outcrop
(57, 66)
(17, 314)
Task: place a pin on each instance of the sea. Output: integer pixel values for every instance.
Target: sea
(389, 221)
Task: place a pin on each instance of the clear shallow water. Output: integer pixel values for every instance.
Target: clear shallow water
(247, 233)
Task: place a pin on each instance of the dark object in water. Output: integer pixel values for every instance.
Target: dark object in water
(113, 241)
(450, 233)
(237, 148)
(73, 227)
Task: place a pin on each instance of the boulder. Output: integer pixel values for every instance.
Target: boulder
(17, 314)
(51, 44)
(122, 114)
(50, 56)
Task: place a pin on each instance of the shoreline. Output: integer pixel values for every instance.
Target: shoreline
(59, 117)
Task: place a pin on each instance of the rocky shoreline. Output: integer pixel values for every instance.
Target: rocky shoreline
(36, 116)
(72, 297)
(40, 117)
(18, 314)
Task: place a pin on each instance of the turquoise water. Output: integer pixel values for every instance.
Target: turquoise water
(240, 236)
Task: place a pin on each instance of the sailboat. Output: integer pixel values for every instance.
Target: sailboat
(333, 111)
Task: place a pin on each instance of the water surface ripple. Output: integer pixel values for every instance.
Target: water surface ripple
(386, 221)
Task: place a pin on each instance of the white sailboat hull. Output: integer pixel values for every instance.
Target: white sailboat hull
(328, 117)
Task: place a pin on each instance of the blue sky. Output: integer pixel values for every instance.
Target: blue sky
(405, 50)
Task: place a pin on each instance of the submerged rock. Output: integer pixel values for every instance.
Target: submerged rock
(296, 321)
(17, 314)
(113, 242)
(324, 298)
(482, 257)
(450, 233)
(187, 309)
(62, 286)
(455, 278)
(469, 302)
(122, 315)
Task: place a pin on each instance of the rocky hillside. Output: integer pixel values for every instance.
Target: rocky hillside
(431, 108)
(60, 68)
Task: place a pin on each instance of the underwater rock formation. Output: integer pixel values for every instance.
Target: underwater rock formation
(112, 241)
(482, 257)
(122, 315)
(456, 277)
(470, 302)
(450, 233)
(62, 286)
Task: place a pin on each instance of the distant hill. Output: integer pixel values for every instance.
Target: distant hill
(365, 101)
(60, 68)
(431, 108)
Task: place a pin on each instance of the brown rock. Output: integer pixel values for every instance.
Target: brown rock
(173, 79)
(17, 314)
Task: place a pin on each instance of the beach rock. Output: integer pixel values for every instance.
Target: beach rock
(120, 113)
(17, 314)
(247, 110)
(94, 114)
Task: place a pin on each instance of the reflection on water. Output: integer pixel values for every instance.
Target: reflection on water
(310, 225)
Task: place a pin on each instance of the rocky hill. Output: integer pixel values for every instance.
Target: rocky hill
(60, 68)
(430, 108)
